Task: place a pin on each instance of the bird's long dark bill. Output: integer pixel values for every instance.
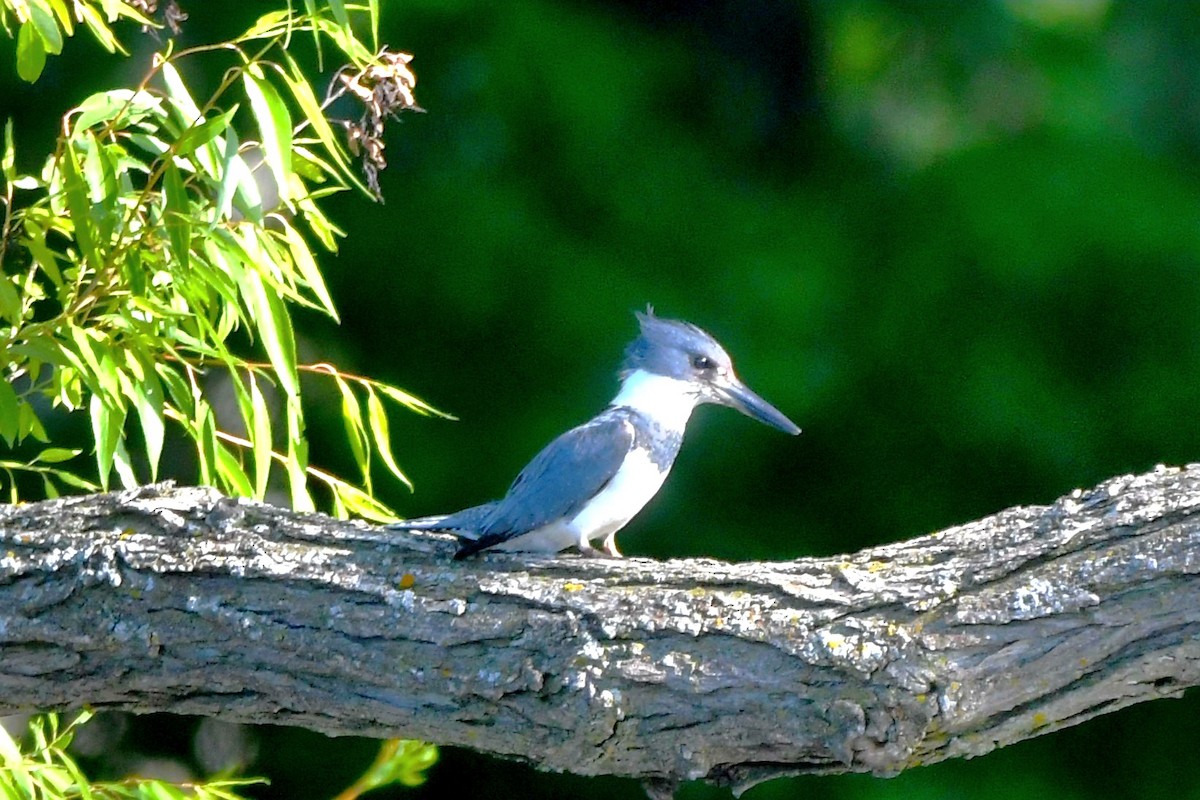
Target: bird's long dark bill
(750, 404)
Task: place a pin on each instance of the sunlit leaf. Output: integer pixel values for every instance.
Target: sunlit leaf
(297, 458)
(303, 259)
(9, 415)
(177, 218)
(28, 424)
(188, 114)
(78, 206)
(47, 28)
(31, 53)
(377, 416)
(274, 124)
(107, 427)
(99, 28)
(8, 160)
(148, 401)
(356, 432)
(46, 258)
(54, 455)
(310, 6)
(373, 8)
(274, 329)
(200, 135)
(412, 402)
(10, 302)
(315, 117)
(359, 502)
(339, 12)
(232, 473)
(260, 438)
(124, 464)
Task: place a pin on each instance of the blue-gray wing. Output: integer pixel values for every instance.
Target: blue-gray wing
(557, 483)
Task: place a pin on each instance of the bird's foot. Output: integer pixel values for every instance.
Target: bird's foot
(606, 550)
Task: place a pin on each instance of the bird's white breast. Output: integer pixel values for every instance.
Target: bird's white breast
(622, 498)
(630, 488)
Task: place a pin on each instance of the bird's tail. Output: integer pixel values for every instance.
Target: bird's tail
(464, 524)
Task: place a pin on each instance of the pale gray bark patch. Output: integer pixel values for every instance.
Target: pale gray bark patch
(178, 599)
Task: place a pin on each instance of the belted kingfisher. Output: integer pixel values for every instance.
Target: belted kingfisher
(590, 481)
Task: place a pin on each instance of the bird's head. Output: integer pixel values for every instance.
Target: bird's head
(685, 353)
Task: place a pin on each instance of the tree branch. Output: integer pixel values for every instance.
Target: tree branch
(181, 600)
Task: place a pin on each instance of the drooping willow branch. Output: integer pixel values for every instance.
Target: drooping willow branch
(179, 599)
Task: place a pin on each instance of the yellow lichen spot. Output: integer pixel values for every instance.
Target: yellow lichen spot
(877, 566)
(697, 592)
(1039, 720)
(407, 580)
(572, 587)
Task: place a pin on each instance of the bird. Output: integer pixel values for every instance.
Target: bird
(589, 482)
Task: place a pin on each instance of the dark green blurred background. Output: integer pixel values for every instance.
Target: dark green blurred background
(958, 243)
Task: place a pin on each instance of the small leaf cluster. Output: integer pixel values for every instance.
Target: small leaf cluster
(165, 244)
(44, 770)
(42, 25)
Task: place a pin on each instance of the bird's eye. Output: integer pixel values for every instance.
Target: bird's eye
(703, 363)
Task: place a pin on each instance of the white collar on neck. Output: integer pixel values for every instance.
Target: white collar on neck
(667, 401)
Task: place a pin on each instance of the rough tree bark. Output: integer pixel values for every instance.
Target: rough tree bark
(179, 599)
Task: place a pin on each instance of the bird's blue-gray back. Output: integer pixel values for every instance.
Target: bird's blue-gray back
(560, 479)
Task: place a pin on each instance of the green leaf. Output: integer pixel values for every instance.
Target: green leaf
(10, 754)
(79, 208)
(99, 28)
(188, 114)
(71, 479)
(202, 134)
(10, 302)
(148, 400)
(9, 414)
(176, 218)
(31, 53)
(412, 402)
(315, 116)
(364, 505)
(356, 431)
(373, 8)
(303, 259)
(47, 28)
(54, 455)
(297, 457)
(46, 258)
(260, 438)
(339, 13)
(204, 433)
(48, 487)
(120, 107)
(107, 427)
(274, 328)
(383, 440)
(123, 463)
(274, 124)
(8, 161)
(29, 425)
(102, 377)
(230, 470)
